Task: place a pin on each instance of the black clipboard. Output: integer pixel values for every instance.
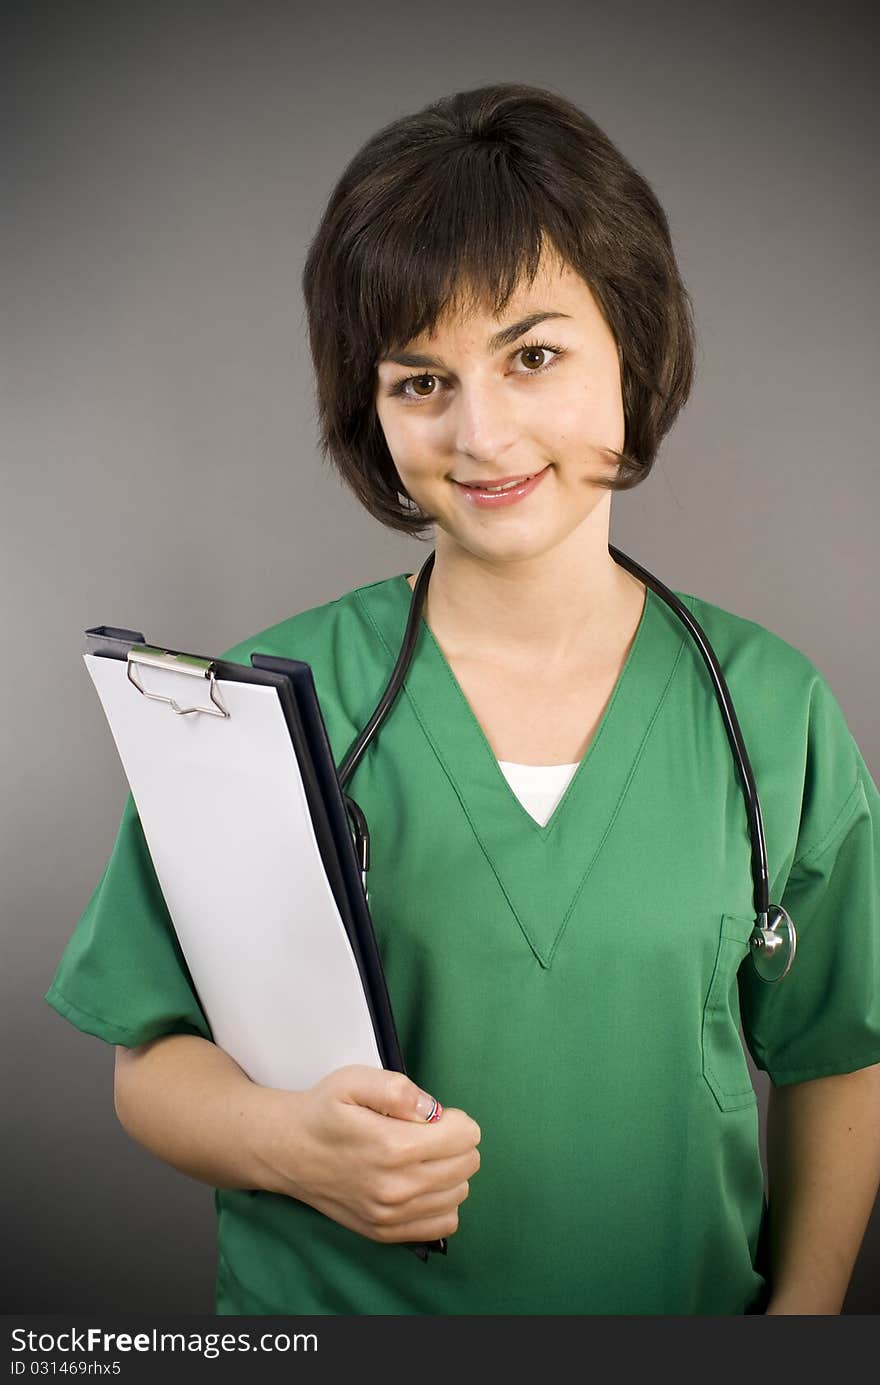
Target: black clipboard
(294, 685)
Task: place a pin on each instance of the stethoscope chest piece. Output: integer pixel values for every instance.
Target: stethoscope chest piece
(774, 945)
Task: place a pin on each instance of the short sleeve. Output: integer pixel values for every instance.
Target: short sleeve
(823, 1017)
(122, 976)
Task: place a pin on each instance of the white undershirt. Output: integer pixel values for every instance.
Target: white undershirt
(538, 787)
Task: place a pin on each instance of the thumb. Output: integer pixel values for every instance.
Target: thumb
(391, 1094)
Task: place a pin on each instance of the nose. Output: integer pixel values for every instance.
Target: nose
(483, 422)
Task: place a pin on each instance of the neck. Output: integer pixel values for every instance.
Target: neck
(554, 608)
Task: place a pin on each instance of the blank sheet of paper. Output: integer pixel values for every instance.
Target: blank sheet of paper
(225, 816)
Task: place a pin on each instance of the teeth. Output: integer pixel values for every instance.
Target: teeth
(509, 487)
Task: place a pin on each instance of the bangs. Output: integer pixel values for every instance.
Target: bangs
(459, 242)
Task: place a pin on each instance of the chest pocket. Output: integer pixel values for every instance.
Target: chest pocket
(724, 1061)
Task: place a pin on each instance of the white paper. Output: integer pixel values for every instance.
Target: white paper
(225, 816)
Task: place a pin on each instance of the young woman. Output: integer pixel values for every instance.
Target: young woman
(561, 870)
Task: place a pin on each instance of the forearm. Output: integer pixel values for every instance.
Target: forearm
(191, 1105)
(823, 1156)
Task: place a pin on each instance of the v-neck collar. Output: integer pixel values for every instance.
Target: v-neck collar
(523, 854)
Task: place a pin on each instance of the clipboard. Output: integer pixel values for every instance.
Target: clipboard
(250, 836)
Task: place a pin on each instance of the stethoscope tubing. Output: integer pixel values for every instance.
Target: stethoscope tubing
(760, 875)
(395, 682)
(764, 933)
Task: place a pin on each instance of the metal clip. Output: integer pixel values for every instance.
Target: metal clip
(177, 663)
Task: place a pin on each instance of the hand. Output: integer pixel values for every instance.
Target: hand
(355, 1147)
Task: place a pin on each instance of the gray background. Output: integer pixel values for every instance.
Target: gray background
(163, 169)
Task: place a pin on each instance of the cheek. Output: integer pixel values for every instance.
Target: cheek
(594, 416)
(411, 449)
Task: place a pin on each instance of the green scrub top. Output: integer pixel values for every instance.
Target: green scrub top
(577, 988)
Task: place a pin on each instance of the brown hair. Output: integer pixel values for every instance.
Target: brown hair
(453, 205)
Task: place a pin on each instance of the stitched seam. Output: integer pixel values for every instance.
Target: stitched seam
(547, 831)
(732, 1093)
(561, 932)
(743, 1095)
(712, 1072)
(543, 832)
(86, 1014)
(825, 841)
(368, 586)
(728, 1097)
(447, 771)
(543, 835)
(529, 822)
(828, 1067)
(619, 804)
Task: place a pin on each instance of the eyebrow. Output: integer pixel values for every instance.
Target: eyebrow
(505, 337)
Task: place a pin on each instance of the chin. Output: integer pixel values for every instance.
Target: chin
(509, 548)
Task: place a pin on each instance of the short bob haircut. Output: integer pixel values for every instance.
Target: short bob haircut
(451, 207)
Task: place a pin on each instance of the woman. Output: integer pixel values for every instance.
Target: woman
(560, 881)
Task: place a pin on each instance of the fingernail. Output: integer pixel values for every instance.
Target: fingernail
(427, 1107)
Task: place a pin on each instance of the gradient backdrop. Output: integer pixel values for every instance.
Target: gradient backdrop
(163, 169)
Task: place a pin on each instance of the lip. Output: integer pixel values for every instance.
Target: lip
(489, 500)
(501, 480)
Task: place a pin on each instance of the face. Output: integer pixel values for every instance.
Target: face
(486, 400)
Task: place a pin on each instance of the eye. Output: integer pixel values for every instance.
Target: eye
(531, 348)
(400, 387)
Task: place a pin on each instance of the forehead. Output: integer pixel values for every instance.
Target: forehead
(556, 286)
(556, 291)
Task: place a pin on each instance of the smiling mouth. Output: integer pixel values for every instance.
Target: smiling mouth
(496, 487)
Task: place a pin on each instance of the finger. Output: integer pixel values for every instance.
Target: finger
(388, 1093)
(438, 1174)
(427, 1205)
(394, 1230)
(422, 1229)
(456, 1133)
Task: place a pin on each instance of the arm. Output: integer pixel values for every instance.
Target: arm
(190, 1104)
(823, 1156)
(357, 1146)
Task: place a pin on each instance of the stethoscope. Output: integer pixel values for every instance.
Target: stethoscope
(773, 940)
